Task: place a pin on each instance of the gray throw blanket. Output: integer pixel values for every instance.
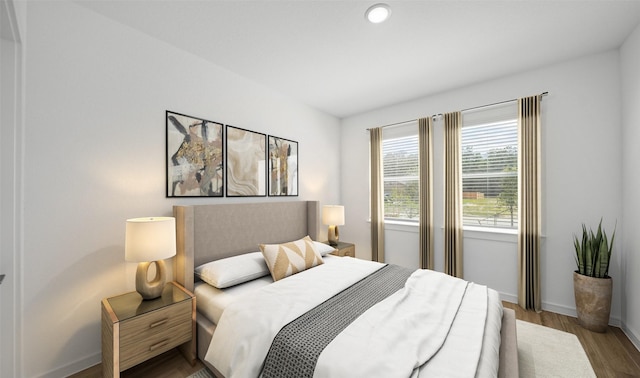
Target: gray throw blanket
(296, 348)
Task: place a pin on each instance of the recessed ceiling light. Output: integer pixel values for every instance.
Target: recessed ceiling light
(378, 13)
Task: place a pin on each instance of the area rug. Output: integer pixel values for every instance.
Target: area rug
(203, 373)
(547, 352)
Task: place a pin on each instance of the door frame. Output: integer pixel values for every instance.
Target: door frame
(11, 116)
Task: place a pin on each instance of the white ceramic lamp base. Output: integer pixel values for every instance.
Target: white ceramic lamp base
(150, 289)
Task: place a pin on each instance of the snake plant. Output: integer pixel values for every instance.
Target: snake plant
(594, 252)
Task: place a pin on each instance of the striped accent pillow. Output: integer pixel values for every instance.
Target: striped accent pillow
(290, 258)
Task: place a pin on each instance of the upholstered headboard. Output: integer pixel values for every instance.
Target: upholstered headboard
(211, 232)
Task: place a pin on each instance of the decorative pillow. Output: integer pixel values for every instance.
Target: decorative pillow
(233, 270)
(290, 258)
(322, 248)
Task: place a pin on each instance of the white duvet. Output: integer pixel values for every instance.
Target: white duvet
(436, 326)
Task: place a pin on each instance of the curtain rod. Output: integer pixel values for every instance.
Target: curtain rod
(463, 110)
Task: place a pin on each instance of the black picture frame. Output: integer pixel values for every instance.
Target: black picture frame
(283, 167)
(194, 156)
(246, 163)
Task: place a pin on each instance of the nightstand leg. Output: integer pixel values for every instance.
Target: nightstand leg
(110, 343)
(189, 349)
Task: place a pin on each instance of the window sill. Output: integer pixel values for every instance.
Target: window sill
(399, 225)
(401, 222)
(493, 234)
(470, 232)
(506, 231)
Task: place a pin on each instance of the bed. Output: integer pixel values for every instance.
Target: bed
(208, 233)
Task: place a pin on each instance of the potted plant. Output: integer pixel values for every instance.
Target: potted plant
(592, 285)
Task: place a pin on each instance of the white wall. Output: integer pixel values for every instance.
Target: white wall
(96, 95)
(630, 61)
(582, 176)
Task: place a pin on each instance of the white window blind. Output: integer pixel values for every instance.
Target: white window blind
(400, 157)
(490, 167)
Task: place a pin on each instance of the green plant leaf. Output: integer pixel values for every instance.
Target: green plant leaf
(579, 256)
(593, 252)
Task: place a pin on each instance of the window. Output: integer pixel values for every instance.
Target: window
(490, 167)
(400, 158)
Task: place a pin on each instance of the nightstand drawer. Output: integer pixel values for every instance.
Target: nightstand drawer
(148, 335)
(345, 249)
(349, 251)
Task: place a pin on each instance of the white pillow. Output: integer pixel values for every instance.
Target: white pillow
(233, 270)
(322, 248)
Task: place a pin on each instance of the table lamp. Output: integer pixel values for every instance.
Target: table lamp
(150, 240)
(333, 216)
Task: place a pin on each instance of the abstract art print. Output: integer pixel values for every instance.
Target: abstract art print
(283, 167)
(246, 163)
(195, 157)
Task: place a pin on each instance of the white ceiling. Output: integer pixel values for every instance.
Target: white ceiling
(324, 53)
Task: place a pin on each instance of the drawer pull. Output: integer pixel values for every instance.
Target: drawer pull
(158, 323)
(158, 345)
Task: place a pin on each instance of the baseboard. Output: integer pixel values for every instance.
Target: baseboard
(551, 307)
(508, 298)
(559, 309)
(631, 334)
(74, 367)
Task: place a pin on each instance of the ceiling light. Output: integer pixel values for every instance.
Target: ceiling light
(378, 13)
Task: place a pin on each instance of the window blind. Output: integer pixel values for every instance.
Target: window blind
(400, 157)
(490, 167)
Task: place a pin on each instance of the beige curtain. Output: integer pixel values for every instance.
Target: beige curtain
(377, 195)
(529, 214)
(452, 195)
(426, 192)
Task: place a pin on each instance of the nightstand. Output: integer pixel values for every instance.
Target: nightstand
(344, 249)
(135, 330)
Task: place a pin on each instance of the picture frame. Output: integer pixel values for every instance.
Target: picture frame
(283, 167)
(246, 162)
(195, 156)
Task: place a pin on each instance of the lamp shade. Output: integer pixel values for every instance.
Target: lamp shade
(333, 215)
(150, 239)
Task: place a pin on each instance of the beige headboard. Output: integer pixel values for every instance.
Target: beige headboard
(211, 232)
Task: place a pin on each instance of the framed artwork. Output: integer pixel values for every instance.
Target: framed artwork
(283, 167)
(195, 157)
(246, 163)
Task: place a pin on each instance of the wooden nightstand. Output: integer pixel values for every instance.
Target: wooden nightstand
(344, 249)
(134, 330)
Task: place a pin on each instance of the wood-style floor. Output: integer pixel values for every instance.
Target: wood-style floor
(611, 353)
(170, 364)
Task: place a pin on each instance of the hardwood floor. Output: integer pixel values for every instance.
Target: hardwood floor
(170, 364)
(611, 353)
